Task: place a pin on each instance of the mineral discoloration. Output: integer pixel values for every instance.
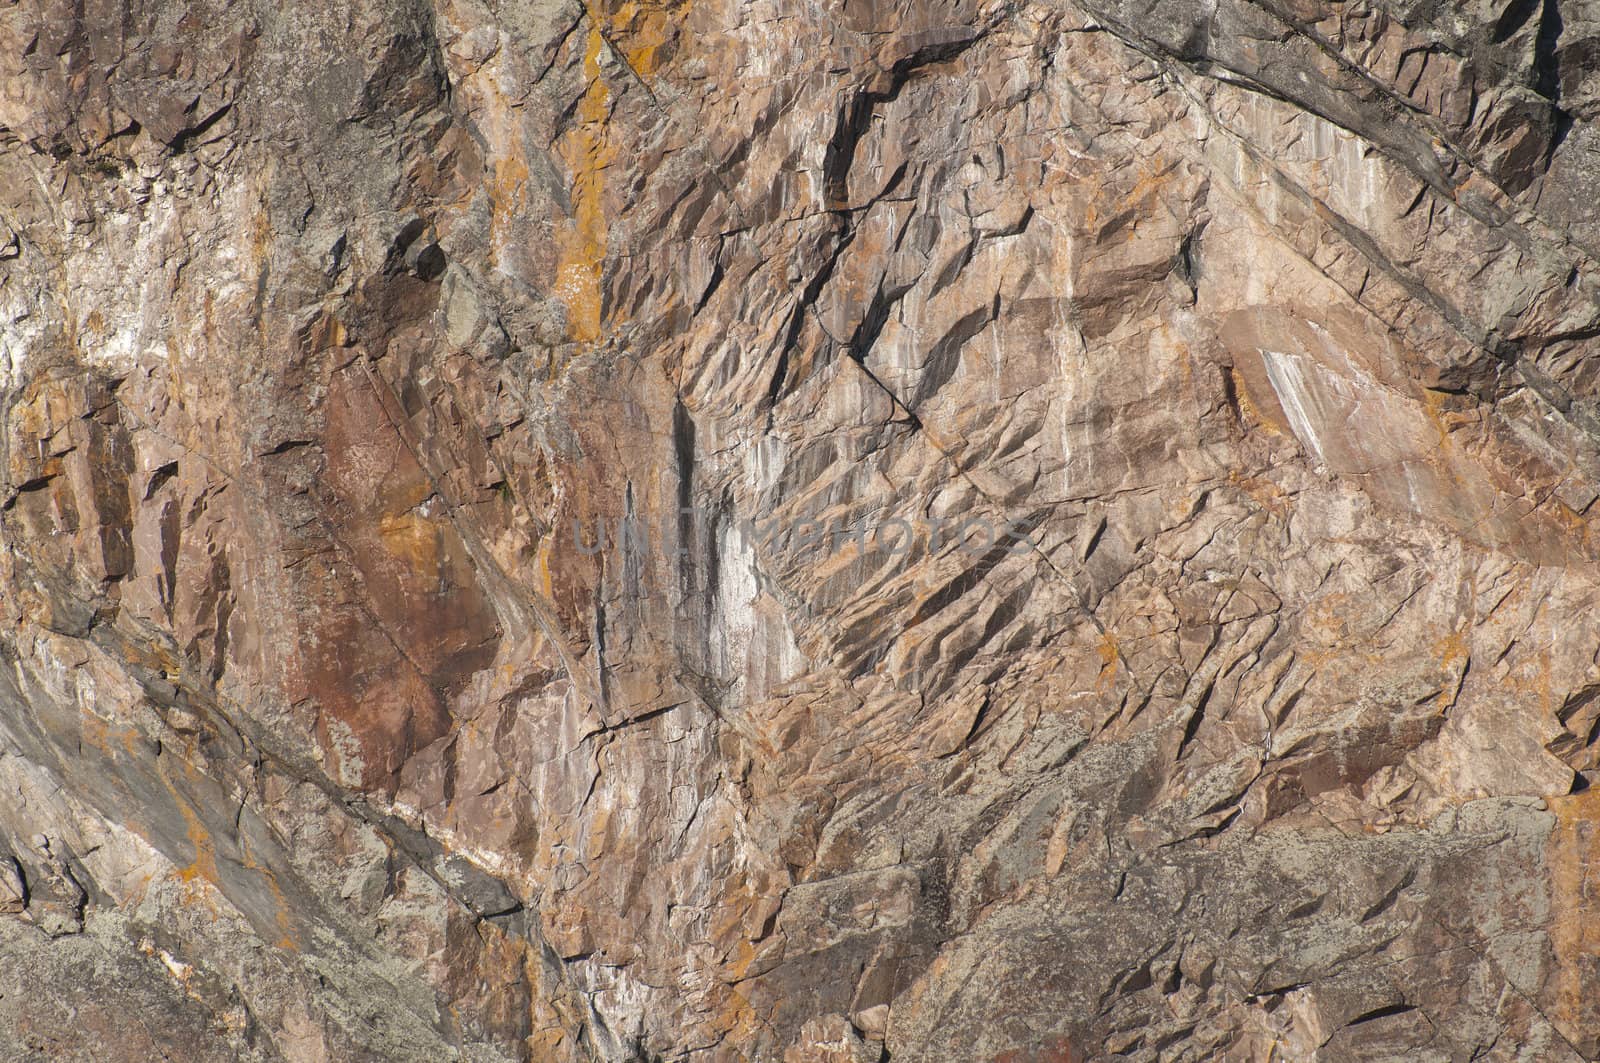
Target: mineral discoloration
(330, 336)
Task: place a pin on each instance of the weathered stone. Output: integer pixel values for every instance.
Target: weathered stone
(768, 531)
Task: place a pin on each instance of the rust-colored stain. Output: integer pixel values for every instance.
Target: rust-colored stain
(400, 618)
(1249, 412)
(1060, 1050)
(1575, 934)
(412, 538)
(1438, 415)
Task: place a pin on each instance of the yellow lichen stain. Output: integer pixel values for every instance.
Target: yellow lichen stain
(1143, 193)
(742, 960)
(1542, 685)
(542, 566)
(1455, 656)
(738, 1017)
(329, 332)
(581, 244)
(154, 657)
(201, 872)
(95, 732)
(261, 253)
(1569, 518)
(598, 838)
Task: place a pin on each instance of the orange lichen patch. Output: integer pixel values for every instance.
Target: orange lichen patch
(1574, 849)
(203, 867)
(736, 1013)
(47, 407)
(1144, 191)
(1531, 677)
(542, 566)
(1110, 653)
(1433, 407)
(287, 940)
(730, 920)
(744, 957)
(153, 656)
(1452, 648)
(202, 870)
(202, 875)
(738, 1017)
(1327, 617)
(1573, 524)
(644, 28)
(328, 332)
(581, 244)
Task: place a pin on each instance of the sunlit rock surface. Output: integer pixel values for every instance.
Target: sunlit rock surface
(476, 546)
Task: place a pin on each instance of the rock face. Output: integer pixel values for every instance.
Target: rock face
(717, 530)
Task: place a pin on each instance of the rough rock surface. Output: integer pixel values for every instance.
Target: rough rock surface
(332, 333)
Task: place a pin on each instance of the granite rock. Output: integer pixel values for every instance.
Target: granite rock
(667, 530)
